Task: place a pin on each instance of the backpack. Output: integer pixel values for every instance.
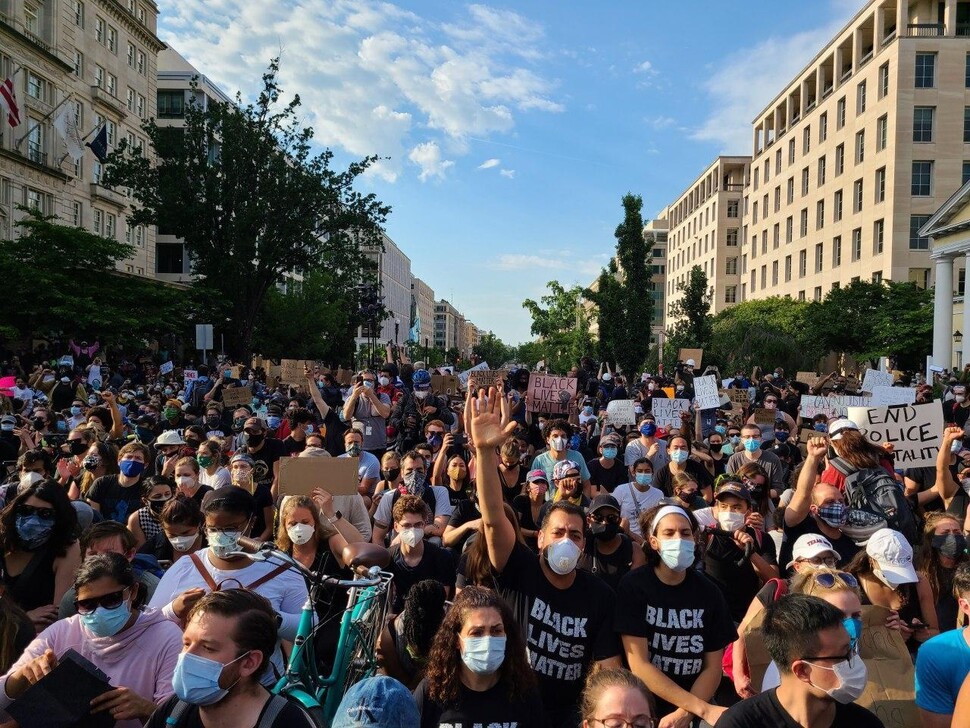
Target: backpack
(727, 661)
(875, 500)
(199, 390)
(272, 711)
(427, 496)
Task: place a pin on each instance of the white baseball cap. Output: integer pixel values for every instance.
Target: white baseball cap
(810, 546)
(690, 363)
(893, 556)
(839, 426)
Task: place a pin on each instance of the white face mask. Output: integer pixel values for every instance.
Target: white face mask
(182, 543)
(186, 481)
(730, 521)
(558, 443)
(562, 556)
(852, 679)
(421, 395)
(959, 397)
(383, 381)
(411, 537)
(300, 533)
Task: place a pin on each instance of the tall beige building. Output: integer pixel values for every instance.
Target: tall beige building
(656, 236)
(852, 158)
(97, 57)
(448, 322)
(705, 229)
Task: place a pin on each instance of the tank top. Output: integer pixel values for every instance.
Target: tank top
(608, 567)
(34, 586)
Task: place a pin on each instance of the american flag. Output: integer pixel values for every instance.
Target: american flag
(8, 102)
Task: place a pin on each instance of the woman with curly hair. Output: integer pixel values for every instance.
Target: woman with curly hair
(477, 670)
(941, 551)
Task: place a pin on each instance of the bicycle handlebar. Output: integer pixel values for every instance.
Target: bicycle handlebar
(265, 551)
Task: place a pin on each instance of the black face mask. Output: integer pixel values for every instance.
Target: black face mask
(39, 423)
(255, 440)
(78, 447)
(951, 545)
(391, 474)
(604, 531)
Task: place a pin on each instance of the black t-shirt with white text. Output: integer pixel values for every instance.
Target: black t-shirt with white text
(845, 546)
(567, 630)
(765, 710)
(472, 709)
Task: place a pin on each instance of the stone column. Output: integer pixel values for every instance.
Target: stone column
(943, 312)
(966, 312)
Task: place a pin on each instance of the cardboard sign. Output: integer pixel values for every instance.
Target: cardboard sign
(705, 390)
(486, 378)
(621, 412)
(667, 411)
(337, 476)
(550, 394)
(344, 377)
(256, 362)
(236, 396)
(915, 430)
(463, 376)
(886, 396)
(190, 375)
(166, 368)
(830, 406)
(809, 378)
(696, 354)
(236, 371)
(738, 397)
(890, 691)
(876, 378)
(763, 416)
(291, 370)
(446, 384)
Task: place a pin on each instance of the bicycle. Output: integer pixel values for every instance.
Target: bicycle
(360, 627)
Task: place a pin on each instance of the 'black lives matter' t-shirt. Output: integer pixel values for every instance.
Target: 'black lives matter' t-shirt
(680, 622)
(490, 707)
(566, 629)
(765, 710)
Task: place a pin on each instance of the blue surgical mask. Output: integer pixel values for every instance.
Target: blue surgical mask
(609, 452)
(735, 439)
(196, 679)
(853, 625)
(752, 444)
(131, 468)
(483, 655)
(648, 429)
(106, 622)
(33, 531)
(677, 553)
(273, 421)
(644, 478)
(720, 430)
(75, 410)
(679, 456)
(821, 427)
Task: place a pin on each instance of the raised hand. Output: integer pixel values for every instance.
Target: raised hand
(488, 419)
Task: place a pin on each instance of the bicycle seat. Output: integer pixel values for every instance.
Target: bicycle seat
(366, 555)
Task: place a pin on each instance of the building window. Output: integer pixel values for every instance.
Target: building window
(778, 199)
(111, 85)
(860, 98)
(168, 258)
(821, 172)
(730, 294)
(802, 263)
(817, 295)
(883, 80)
(836, 251)
(823, 127)
(774, 273)
(860, 147)
(819, 214)
(857, 196)
(732, 237)
(79, 21)
(789, 229)
(840, 113)
(966, 173)
(99, 30)
(140, 108)
(776, 236)
(130, 99)
(922, 179)
(112, 40)
(881, 184)
(801, 295)
(732, 205)
(99, 76)
(756, 172)
(787, 269)
(38, 87)
(806, 139)
(856, 244)
(731, 267)
(754, 212)
(764, 276)
(78, 63)
(140, 63)
(764, 242)
(803, 223)
(966, 73)
(131, 55)
(790, 190)
(966, 124)
(878, 236)
(110, 223)
(837, 206)
(920, 276)
(778, 161)
(97, 222)
(819, 253)
(923, 123)
(791, 151)
(882, 132)
(916, 242)
(78, 211)
(925, 70)
(839, 159)
(805, 181)
(129, 232)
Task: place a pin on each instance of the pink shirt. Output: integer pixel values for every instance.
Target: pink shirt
(141, 658)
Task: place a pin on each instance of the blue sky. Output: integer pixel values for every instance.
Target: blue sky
(514, 129)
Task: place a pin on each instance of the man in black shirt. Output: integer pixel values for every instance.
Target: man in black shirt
(607, 471)
(821, 673)
(412, 558)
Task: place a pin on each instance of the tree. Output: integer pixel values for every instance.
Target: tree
(693, 328)
(623, 306)
(562, 326)
(491, 349)
(242, 187)
(61, 280)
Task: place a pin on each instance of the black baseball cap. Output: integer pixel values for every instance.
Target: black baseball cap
(229, 498)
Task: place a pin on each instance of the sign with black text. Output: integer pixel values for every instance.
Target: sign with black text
(915, 431)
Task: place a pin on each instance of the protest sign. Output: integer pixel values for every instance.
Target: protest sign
(876, 378)
(463, 376)
(291, 371)
(886, 396)
(236, 372)
(550, 394)
(738, 397)
(809, 378)
(485, 378)
(705, 390)
(190, 375)
(667, 411)
(166, 368)
(889, 692)
(272, 371)
(696, 354)
(344, 377)
(446, 384)
(257, 362)
(338, 476)
(235, 396)
(914, 430)
(830, 406)
(621, 412)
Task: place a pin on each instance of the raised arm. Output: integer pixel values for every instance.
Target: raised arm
(322, 407)
(489, 425)
(946, 486)
(117, 423)
(797, 510)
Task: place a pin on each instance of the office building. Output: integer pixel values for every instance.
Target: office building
(447, 324)
(656, 235)
(423, 303)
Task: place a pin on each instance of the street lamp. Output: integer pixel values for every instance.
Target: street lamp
(397, 327)
(957, 336)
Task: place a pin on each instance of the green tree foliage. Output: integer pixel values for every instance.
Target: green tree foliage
(622, 295)
(562, 325)
(242, 186)
(692, 313)
(870, 320)
(62, 280)
(493, 350)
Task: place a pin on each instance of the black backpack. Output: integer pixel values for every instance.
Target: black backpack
(199, 390)
(875, 500)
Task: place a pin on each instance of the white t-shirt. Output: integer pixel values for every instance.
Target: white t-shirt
(385, 507)
(631, 499)
(286, 592)
(218, 479)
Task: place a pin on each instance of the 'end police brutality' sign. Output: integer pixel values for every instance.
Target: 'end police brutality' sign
(915, 431)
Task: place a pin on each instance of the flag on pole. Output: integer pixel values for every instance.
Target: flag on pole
(66, 125)
(8, 102)
(99, 145)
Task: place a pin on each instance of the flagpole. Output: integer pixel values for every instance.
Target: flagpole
(67, 154)
(43, 119)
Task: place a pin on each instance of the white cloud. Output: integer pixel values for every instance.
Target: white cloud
(645, 67)
(662, 122)
(745, 81)
(489, 163)
(428, 157)
(556, 260)
(510, 173)
(373, 75)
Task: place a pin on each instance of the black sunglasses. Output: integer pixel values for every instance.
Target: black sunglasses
(25, 510)
(107, 601)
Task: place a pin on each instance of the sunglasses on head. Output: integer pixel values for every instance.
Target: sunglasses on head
(107, 601)
(42, 512)
(828, 579)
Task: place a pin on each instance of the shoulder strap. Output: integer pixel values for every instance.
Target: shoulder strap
(207, 577)
(266, 577)
(842, 466)
(273, 708)
(781, 588)
(633, 495)
(178, 710)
